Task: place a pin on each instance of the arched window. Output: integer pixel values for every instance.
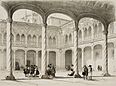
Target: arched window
(80, 34)
(54, 40)
(29, 38)
(34, 38)
(100, 28)
(50, 40)
(66, 39)
(89, 31)
(23, 38)
(85, 33)
(70, 38)
(111, 28)
(40, 40)
(17, 37)
(95, 29)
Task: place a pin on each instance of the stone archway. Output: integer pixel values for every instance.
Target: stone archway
(31, 56)
(52, 57)
(87, 55)
(97, 56)
(19, 59)
(68, 58)
(111, 59)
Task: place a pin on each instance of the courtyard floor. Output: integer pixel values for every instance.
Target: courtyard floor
(61, 80)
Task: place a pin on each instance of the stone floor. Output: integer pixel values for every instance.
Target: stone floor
(61, 80)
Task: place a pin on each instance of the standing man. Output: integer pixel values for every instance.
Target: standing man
(90, 72)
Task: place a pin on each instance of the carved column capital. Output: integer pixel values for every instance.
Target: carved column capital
(105, 32)
(44, 21)
(76, 25)
(9, 19)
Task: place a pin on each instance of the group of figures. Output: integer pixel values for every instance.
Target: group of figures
(31, 71)
(86, 72)
(51, 70)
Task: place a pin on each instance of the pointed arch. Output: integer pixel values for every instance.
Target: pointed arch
(100, 27)
(66, 38)
(70, 38)
(85, 33)
(34, 38)
(89, 31)
(17, 37)
(54, 40)
(80, 34)
(22, 38)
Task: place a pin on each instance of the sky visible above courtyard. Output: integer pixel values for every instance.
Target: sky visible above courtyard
(19, 14)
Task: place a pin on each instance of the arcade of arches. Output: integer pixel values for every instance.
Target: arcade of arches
(82, 39)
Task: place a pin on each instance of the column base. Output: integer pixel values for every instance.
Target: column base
(11, 77)
(106, 74)
(77, 75)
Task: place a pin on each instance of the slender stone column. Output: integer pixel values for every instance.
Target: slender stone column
(14, 59)
(9, 49)
(25, 58)
(37, 41)
(76, 51)
(92, 36)
(47, 57)
(26, 40)
(83, 60)
(105, 51)
(92, 57)
(37, 59)
(83, 35)
(44, 51)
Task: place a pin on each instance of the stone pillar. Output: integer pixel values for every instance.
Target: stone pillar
(60, 63)
(83, 60)
(37, 58)
(44, 51)
(105, 50)
(14, 59)
(62, 60)
(76, 51)
(26, 40)
(82, 35)
(9, 49)
(47, 57)
(92, 57)
(25, 58)
(92, 33)
(37, 41)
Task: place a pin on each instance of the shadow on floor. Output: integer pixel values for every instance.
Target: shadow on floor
(62, 77)
(105, 76)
